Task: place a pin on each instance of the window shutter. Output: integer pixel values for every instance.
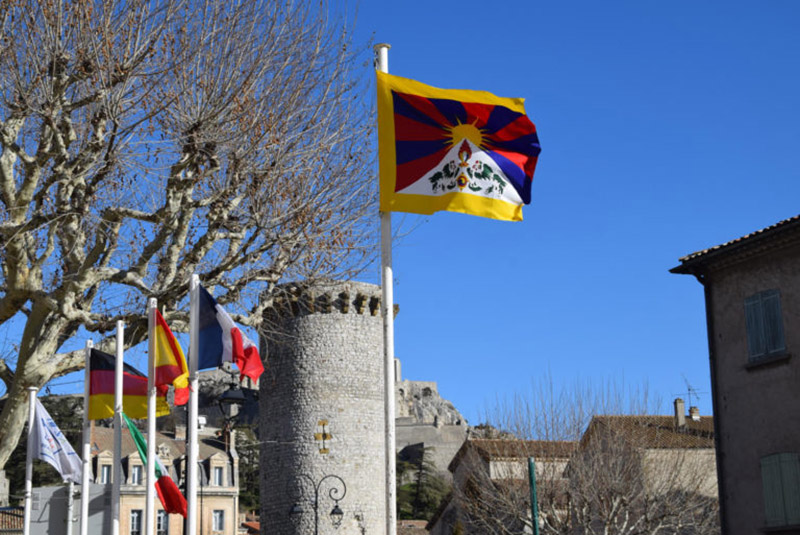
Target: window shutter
(773, 322)
(755, 326)
(773, 491)
(790, 476)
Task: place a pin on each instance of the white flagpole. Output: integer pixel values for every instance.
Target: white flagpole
(191, 425)
(382, 54)
(117, 474)
(86, 451)
(26, 526)
(149, 504)
(70, 505)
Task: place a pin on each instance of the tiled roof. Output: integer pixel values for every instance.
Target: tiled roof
(787, 226)
(490, 449)
(103, 440)
(656, 432)
(11, 519)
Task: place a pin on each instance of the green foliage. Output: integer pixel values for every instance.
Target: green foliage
(419, 498)
(248, 448)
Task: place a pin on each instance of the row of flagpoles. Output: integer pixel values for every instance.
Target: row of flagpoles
(213, 340)
(488, 140)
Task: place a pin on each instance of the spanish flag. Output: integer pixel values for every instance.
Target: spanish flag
(455, 150)
(171, 366)
(134, 389)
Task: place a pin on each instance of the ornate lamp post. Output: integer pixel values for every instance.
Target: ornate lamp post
(336, 493)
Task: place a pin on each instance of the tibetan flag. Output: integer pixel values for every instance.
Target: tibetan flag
(222, 341)
(455, 150)
(134, 389)
(168, 492)
(171, 366)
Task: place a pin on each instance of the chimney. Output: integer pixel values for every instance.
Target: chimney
(694, 413)
(680, 414)
(180, 432)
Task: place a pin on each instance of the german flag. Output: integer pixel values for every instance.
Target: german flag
(134, 389)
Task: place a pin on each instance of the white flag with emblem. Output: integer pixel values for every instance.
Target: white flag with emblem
(49, 444)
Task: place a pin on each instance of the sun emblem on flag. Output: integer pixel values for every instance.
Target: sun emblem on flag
(444, 146)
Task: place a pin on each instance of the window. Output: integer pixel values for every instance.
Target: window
(780, 475)
(136, 474)
(136, 522)
(105, 473)
(162, 523)
(218, 476)
(764, 324)
(218, 520)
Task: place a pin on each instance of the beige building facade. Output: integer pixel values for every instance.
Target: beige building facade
(218, 488)
(752, 299)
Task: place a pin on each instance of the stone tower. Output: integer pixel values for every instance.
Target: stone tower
(321, 411)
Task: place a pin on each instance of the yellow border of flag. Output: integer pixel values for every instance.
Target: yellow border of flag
(426, 204)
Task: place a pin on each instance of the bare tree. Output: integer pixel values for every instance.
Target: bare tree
(146, 140)
(607, 473)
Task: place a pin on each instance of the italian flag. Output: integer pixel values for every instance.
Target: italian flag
(168, 492)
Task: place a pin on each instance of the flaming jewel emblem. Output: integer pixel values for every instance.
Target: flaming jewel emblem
(464, 152)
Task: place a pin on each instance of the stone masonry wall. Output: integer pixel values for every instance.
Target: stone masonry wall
(324, 363)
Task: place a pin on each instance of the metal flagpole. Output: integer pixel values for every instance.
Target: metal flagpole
(117, 471)
(387, 298)
(26, 526)
(534, 501)
(149, 503)
(86, 451)
(191, 425)
(70, 505)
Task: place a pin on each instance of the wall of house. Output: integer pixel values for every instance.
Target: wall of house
(757, 407)
(690, 470)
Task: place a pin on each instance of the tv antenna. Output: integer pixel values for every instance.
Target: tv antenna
(691, 392)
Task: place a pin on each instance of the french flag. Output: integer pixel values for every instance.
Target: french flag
(222, 341)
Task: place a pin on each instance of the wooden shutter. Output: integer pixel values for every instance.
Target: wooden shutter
(773, 490)
(773, 322)
(754, 320)
(790, 477)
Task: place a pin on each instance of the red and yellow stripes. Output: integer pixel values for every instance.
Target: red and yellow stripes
(170, 363)
(134, 389)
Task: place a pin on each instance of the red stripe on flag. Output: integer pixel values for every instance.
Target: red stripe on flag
(170, 496)
(102, 382)
(410, 130)
(410, 172)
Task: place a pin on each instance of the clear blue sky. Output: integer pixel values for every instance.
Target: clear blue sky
(666, 127)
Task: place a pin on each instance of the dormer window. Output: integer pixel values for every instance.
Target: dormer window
(218, 476)
(105, 473)
(136, 474)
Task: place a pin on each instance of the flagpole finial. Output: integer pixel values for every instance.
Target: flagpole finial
(381, 59)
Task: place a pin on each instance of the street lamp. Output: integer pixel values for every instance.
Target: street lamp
(336, 493)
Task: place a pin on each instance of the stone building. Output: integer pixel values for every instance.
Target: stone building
(322, 411)
(424, 421)
(669, 455)
(752, 301)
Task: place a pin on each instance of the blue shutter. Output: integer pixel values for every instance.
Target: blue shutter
(755, 326)
(773, 490)
(773, 322)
